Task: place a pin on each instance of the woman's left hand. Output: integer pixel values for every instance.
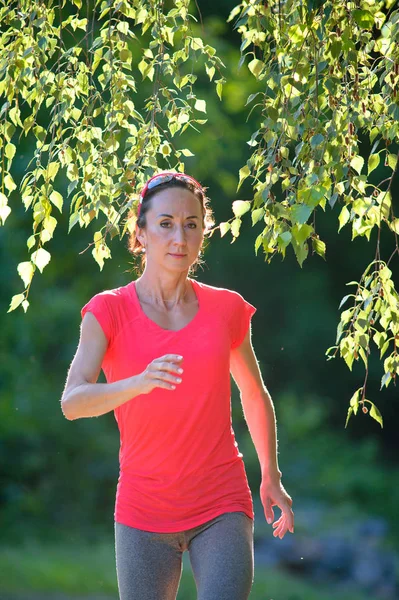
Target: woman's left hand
(273, 493)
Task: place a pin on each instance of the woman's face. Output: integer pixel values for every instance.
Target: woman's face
(174, 231)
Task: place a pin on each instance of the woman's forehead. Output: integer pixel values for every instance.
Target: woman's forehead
(176, 200)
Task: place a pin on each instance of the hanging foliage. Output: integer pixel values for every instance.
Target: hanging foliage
(68, 77)
(328, 75)
(329, 80)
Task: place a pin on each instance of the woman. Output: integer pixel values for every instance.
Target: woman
(167, 344)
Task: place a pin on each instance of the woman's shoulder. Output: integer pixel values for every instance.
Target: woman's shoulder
(218, 293)
(111, 293)
(108, 306)
(111, 297)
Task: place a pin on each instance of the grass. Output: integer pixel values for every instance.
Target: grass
(81, 569)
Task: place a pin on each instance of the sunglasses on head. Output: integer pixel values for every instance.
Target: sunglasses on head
(164, 178)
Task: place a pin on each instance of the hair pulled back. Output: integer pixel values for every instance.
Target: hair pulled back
(134, 245)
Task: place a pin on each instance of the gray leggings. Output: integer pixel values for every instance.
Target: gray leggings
(149, 565)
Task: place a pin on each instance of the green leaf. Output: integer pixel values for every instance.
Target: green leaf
(100, 252)
(28, 123)
(346, 346)
(240, 207)
(346, 315)
(52, 170)
(373, 162)
(350, 411)
(301, 252)
(319, 247)
(256, 66)
(9, 130)
(344, 299)
(384, 201)
(146, 69)
(71, 187)
(9, 183)
(357, 163)
(49, 224)
(343, 217)
(394, 225)
(224, 228)
(258, 243)
(385, 380)
(186, 152)
(197, 43)
(9, 151)
(349, 358)
(384, 348)
(73, 219)
(41, 258)
(363, 18)
(392, 160)
(210, 71)
(375, 413)
(165, 149)
(363, 355)
(252, 96)
(354, 401)
(243, 174)
(379, 338)
(235, 227)
(16, 301)
(123, 27)
(257, 215)
(316, 140)
(5, 210)
(30, 242)
(236, 10)
(301, 233)
(4, 213)
(25, 271)
(57, 200)
(285, 238)
(300, 213)
(15, 116)
(200, 105)
(336, 47)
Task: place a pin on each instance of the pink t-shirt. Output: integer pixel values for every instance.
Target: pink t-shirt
(180, 465)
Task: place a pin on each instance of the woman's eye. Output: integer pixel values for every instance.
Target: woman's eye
(167, 223)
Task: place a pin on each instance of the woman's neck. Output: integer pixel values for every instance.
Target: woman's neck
(164, 290)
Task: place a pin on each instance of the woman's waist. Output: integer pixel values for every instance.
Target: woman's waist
(173, 472)
(182, 459)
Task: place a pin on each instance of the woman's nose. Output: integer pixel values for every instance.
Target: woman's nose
(180, 235)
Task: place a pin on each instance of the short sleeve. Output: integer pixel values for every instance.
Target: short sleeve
(240, 319)
(99, 306)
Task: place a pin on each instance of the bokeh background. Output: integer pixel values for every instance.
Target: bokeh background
(58, 477)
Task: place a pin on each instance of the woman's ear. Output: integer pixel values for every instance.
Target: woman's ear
(139, 236)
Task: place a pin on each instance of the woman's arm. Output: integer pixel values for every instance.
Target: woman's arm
(261, 420)
(82, 396)
(257, 405)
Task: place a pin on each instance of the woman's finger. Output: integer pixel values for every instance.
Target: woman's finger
(168, 378)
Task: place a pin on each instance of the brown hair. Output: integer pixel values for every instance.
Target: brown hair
(134, 245)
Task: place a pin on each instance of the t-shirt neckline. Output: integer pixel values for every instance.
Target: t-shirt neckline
(196, 288)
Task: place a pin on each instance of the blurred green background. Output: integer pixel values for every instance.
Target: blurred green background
(58, 477)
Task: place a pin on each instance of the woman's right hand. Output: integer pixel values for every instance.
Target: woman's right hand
(164, 372)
